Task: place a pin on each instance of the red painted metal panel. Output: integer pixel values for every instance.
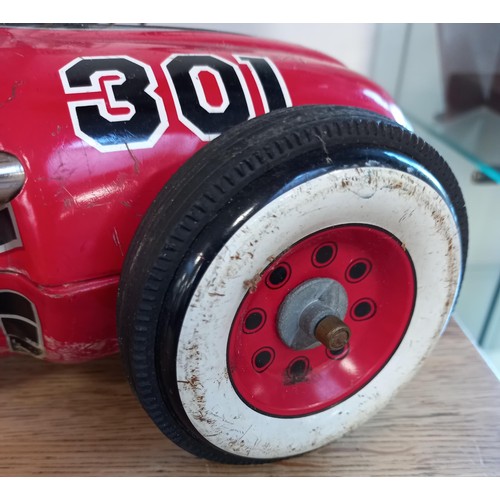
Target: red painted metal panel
(80, 206)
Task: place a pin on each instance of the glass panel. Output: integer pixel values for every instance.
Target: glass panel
(448, 86)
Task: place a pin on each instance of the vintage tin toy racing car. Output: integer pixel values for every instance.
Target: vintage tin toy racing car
(281, 250)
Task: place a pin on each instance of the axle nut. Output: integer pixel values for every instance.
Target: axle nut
(333, 333)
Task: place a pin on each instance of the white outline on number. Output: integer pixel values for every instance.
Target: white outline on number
(194, 73)
(276, 71)
(180, 115)
(101, 104)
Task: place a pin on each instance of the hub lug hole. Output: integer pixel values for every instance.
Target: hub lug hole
(254, 321)
(338, 354)
(358, 270)
(324, 254)
(278, 276)
(262, 359)
(297, 370)
(363, 309)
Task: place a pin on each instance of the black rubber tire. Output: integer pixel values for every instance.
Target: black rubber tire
(196, 211)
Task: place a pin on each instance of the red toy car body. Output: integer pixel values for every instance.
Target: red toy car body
(283, 279)
(81, 202)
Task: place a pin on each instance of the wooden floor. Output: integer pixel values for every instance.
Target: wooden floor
(83, 420)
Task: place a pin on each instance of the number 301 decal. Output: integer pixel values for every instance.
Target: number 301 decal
(131, 115)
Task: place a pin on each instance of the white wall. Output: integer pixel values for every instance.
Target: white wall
(352, 44)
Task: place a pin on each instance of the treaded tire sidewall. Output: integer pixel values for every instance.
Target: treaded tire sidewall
(155, 286)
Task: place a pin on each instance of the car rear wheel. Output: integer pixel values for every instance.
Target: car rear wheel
(290, 277)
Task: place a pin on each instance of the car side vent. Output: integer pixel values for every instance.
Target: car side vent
(19, 321)
(9, 235)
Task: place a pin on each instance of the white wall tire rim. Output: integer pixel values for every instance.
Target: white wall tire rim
(398, 202)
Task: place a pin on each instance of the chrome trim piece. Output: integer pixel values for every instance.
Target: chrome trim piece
(12, 177)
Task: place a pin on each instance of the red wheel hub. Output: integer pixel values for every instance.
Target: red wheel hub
(377, 274)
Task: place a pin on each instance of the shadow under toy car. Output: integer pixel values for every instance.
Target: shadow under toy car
(282, 251)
